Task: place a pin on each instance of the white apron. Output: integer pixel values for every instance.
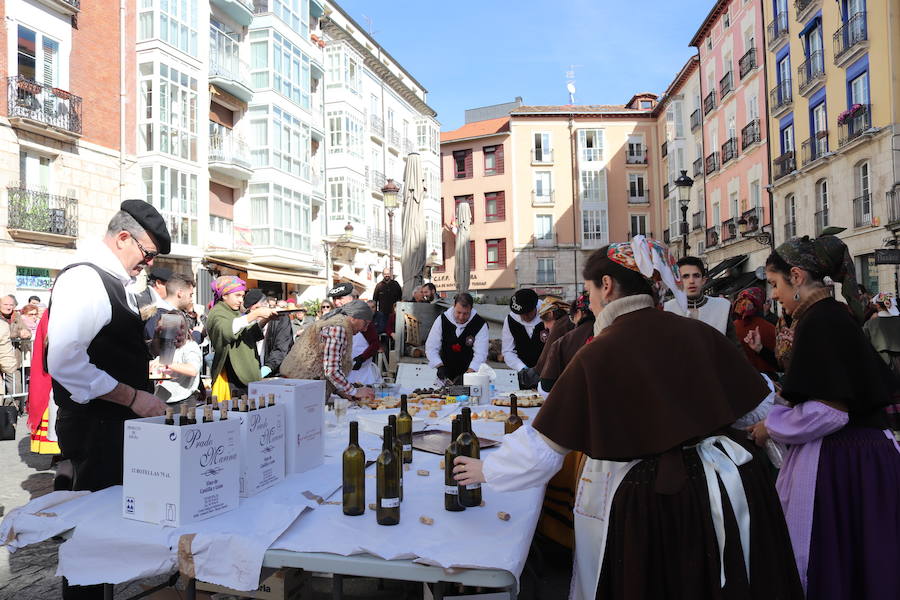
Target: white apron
(597, 488)
(368, 373)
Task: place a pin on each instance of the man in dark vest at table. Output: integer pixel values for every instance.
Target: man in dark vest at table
(97, 357)
(523, 337)
(458, 340)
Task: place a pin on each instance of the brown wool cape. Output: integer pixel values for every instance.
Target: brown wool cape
(562, 350)
(560, 329)
(649, 382)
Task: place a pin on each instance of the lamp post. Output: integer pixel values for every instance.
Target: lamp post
(684, 183)
(391, 192)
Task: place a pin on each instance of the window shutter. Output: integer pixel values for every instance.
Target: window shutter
(471, 254)
(468, 163)
(501, 206)
(501, 253)
(498, 160)
(50, 56)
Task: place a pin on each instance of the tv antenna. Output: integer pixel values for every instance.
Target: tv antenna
(570, 82)
(370, 25)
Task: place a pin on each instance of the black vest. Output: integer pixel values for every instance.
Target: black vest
(118, 349)
(457, 350)
(528, 348)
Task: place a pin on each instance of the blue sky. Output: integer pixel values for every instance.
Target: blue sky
(470, 53)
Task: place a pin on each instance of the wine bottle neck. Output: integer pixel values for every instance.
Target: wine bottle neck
(354, 433)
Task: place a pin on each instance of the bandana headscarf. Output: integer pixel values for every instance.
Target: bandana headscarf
(652, 260)
(749, 303)
(226, 284)
(582, 303)
(826, 255)
(886, 299)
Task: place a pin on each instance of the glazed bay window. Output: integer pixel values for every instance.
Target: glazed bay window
(590, 144)
(280, 217)
(278, 64)
(172, 21)
(346, 134)
(168, 98)
(427, 136)
(286, 147)
(295, 13)
(595, 227)
(543, 230)
(347, 197)
(174, 193)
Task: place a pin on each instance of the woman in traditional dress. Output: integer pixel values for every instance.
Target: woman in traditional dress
(840, 483)
(757, 336)
(671, 504)
(41, 411)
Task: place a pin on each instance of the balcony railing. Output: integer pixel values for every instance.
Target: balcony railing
(229, 148)
(777, 30)
(712, 237)
(224, 58)
(641, 196)
(893, 202)
(814, 148)
(542, 198)
(636, 156)
(667, 238)
(698, 167)
(40, 212)
(857, 121)
(750, 220)
(729, 230)
(781, 96)
(43, 104)
(729, 150)
(666, 191)
(785, 165)
(726, 84)
(378, 240)
(698, 221)
(852, 34)
(709, 103)
(376, 180)
(747, 62)
(407, 146)
(695, 120)
(821, 221)
(664, 149)
(750, 134)
(862, 211)
(712, 163)
(543, 156)
(811, 71)
(376, 125)
(393, 137)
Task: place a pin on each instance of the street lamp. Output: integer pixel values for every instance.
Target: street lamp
(683, 184)
(391, 193)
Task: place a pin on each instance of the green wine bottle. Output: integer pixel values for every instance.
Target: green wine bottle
(513, 421)
(404, 429)
(354, 466)
(387, 484)
(398, 450)
(451, 489)
(467, 443)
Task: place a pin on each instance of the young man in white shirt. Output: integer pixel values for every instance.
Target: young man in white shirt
(715, 312)
(523, 337)
(458, 340)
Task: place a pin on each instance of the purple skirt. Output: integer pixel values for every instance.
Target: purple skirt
(855, 543)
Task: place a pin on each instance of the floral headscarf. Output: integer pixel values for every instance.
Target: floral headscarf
(652, 260)
(749, 303)
(226, 284)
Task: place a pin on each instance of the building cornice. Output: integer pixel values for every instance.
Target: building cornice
(708, 22)
(475, 137)
(684, 74)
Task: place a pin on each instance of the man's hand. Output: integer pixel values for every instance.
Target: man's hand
(148, 405)
(470, 370)
(528, 378)
(467, 471)
(442, 372)
(262, 315)
(365, 393)
(357, 363)
(754, 340)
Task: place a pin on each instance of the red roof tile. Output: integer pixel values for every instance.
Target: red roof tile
(477, 129)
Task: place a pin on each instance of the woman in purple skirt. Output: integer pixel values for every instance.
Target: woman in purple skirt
(840, 483)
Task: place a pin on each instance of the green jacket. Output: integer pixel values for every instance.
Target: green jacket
(239, 349)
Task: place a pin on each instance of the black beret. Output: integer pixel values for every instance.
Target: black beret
(341, 290)
(523, 301)
(149, 218)
(161, 273)
(252, 297)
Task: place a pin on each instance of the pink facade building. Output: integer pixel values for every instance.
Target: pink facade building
(731, 109)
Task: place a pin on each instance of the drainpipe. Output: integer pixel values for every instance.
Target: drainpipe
(123, 96)
(769, 187)
(703, 153)
(576, 205)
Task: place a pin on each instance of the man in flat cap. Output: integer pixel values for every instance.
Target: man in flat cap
(96, 356)
(523, 337)
(324, 350)
(340, 295)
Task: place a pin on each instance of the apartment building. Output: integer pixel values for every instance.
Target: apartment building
(63, 157)
(582, 176)
(834, 73)
(475, 170)
(735, 142)
(679, 126)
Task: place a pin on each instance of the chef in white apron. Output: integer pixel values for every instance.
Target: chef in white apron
(368, 373)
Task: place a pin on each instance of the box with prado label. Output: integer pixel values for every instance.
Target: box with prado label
(304, 404)
(177, 475)
(262, 448)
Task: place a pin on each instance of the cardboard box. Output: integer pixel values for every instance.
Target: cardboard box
(304, 404)
(283, 584)
(177, 475)
(262, 448)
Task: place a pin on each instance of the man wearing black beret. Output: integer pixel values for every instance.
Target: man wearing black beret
(523, 337)
(97, 357)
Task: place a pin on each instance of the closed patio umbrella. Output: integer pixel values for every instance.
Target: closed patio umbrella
(464, 224)
(412, 259)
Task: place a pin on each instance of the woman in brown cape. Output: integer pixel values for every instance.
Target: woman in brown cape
(671, 503)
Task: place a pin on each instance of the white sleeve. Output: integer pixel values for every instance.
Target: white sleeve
(193, 355)
(238, 324)
(433, 344)
(510, 356)
(760, 412)
(80, 310)
(524, 460)
(480, 349)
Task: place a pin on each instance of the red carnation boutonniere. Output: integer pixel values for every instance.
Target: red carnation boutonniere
(456, 348)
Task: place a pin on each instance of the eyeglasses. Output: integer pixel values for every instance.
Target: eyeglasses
(148, 254)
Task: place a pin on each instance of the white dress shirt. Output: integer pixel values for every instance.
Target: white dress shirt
(80, 310)
(436, 335)
(510, 356)
(180, 386)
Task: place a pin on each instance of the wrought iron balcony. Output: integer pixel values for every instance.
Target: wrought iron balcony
(664, 149)
(811, 72)
(376, 125)
(814, 148)
(379, 238)
(854, 122)
(893, 202)
(750, 134)
(750, 220)
(636, 156)
(709, 103)
(785, 165)
(43, 109)
(862, 211)
(729, 230)
(230, 154)
(712, 237)
(695, 120)
(777, 31)
(698, 167)
(726, 84)
(821, 221)
(698, 220)
(781, 97)
(729, 150)
(790, 230)
(850, 37)
(36, 211)
(712, 163)
(67, 7)
(747, 62)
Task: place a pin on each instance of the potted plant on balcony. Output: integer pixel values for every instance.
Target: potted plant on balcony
(851, 112)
